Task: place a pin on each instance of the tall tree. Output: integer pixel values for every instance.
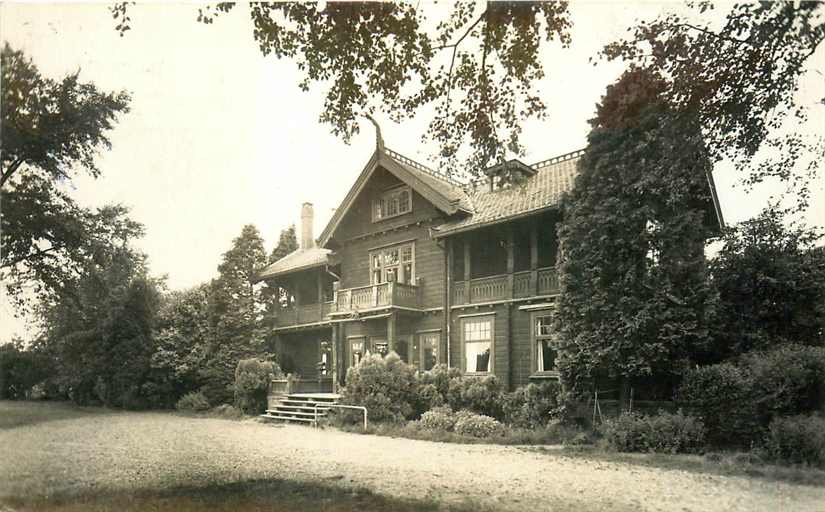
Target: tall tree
(236, 310)
(740, 78)
(51, 131)
(287, 242)
(771, 283)
(475, 65)
(634, 296)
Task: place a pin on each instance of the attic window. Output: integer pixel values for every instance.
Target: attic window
(392, 203)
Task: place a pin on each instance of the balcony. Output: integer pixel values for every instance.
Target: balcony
(304, 314)
(506, 286)
(352, 300)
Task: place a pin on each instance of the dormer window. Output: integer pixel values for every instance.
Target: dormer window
(392, 203)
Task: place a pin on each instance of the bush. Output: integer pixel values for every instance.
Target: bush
(252, 380)
(797, 440)
(720, 395)
(482, 395)
(477, 425)
(662, 433)
(227, 411)
(439, 419)
(386, 386)
(434, 386)
(194, 401)
(531, 406)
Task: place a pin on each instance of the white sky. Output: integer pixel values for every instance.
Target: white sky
(219, 136)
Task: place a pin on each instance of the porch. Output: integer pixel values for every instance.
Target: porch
(364, 298)
(530, 283)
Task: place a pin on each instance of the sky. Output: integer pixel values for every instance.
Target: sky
(220, 136)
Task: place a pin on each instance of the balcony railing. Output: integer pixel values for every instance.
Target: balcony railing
(523, 284)
(304, 314)
(375, 296)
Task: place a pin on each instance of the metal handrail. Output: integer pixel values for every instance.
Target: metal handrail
(340, 406)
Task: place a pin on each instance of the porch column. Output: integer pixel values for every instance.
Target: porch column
(335, 353)
(467, 298)
(534, 258)
(391, 327)
(511, 261)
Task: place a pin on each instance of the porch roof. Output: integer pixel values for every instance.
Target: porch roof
(300, 259)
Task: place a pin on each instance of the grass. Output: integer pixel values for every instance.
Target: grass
(15, 414)
(714, 463)
(253, 495)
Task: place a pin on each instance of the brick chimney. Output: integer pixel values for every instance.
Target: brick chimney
(307, 218)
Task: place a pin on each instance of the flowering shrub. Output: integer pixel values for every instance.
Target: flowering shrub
(386, 386)
(661, 433)
(439, 418)
(477, 425)
(482, 395)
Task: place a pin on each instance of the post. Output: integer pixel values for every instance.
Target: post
(391, 328)
(534, 259)
(511, 262)
(375, 294)
(334, 342)
(467, 298)
(335, 286)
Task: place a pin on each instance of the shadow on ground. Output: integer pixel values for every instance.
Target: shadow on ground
(257, 495)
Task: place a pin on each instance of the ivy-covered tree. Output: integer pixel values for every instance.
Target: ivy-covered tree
(634, 299)
(771, 283)
(236, 308)
(52, 130)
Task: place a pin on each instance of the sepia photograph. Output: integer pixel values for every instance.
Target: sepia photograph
(376, 256)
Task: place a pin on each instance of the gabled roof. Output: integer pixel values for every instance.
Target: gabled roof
(444, 193)
(300, 259)
(539, 192)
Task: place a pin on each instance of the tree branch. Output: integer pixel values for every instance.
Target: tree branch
(12, 168)
(454, 46)
(37, 254)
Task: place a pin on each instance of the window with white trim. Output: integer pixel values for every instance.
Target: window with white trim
(392, 203)
(395, 263)
(477, 335)
(543, 338)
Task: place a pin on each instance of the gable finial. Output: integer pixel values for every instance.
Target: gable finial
(379, 140)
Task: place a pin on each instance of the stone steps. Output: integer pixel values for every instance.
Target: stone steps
(300, 407)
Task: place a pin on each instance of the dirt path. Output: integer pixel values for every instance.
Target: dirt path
(147, 450)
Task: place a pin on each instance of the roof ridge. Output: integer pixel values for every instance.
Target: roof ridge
(421, 167)
(556, 159)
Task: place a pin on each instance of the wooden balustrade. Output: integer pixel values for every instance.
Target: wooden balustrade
(492, 288)
(377, 295)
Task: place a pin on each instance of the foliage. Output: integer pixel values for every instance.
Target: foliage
(193, 401)
(477, 71)
(21, 369)
(739, 78)
(797, 440)
(634, 296)
(771, 284)
(531, 406)
(252, 379)
(438, 418)
(720, 395)
(482, 395)
(287, 243)
(661, 433)
(272, 295)
(52, 130)
(235, 315)
(386, 386)
(477, 425)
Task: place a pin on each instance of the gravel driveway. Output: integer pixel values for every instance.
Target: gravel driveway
(147, 450)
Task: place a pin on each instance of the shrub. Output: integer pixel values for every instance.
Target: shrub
(482, 395)
(661, 433)
(252, 379)
(194, 401)
(227, 411)
(787, 380)
(720, 395)
(440, 418)
(477, 425)
(434, 386)
(797, 440)
(386, 386)
(531, 406)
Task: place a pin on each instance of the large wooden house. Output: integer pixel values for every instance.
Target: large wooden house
(432, 269)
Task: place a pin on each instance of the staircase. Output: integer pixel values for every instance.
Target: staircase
(300, 407)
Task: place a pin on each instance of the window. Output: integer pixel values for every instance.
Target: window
(396, 263)
(356, 351)
(381, 346)
(326, 357)
(429, 350)
(543, 337)
(392, 203)
(477, 334)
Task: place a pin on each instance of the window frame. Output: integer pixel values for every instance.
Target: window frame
(391, 197)
(491, 317)
(351, 340)
(534, 343)
(398, 266)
